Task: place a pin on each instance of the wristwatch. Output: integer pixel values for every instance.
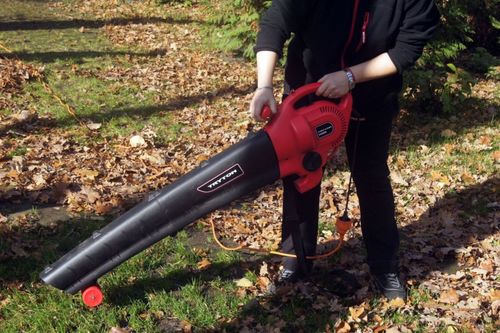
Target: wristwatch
(350, 78)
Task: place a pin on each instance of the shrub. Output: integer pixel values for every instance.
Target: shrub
(236, 25)
(444, 76)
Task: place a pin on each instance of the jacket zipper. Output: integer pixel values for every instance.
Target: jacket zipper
(349, 39)
(366, 20)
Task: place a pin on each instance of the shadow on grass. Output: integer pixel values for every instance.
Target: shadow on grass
(423, 243)
(422, 254)
(52, 56)
(144, 112)
(139, 290)
(77, 23)
(42, 125)
(458, 220)
(26, 248)
(414, 128)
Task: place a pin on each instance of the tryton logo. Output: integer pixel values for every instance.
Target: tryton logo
(324, 130)
(222, 179)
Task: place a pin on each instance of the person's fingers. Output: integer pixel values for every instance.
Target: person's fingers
(254, 106)
(273, 106)
(258, 110)
(259, 100)
(323, 88)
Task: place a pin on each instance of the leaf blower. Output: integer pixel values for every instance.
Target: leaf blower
(295, 141)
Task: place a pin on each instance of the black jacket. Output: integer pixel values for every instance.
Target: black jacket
(326, 39)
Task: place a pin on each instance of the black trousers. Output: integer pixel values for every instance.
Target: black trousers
(374, 191)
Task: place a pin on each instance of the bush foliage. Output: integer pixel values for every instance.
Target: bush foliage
(466, 46)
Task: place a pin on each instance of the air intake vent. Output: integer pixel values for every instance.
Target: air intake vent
(340, 122)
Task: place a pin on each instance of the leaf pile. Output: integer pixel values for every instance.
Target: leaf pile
(13, 75)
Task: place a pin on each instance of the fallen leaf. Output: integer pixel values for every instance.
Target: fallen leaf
(86, 173)
(204, 264)
(94, 126)
(137, 141)
(92, 196)
(496, 156)
(397, 303)
(263, 282)
(487, 265)
(495, 306)
(449, 296)
(186, 327)
(495, 295)
(357, 312)
(448, 133)
(102, 209)
(378, 329)
(398, 179)
(244, 283)
(342, 327)
(263, 269)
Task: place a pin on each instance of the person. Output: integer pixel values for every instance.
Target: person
(361, 47)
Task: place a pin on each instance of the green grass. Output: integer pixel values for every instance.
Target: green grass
(19, 151)
(162, 279)
(65, 54)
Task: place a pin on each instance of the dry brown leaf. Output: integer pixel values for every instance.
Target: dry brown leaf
(264, 269)
(495, 295)
(379, 329)
(449, 296)
(342, 327)
(467, 178)
(243, 283)
(186, 327)
(448, 133)
(263, 282)
(103, 208)
(396, 303)
(487, 265)
(495, 307)
(86, 173)
(357, 312)
(94, 126)
(496, 156)
(137, 141)
(204, 264)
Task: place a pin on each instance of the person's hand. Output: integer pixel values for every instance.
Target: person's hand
(262, 96)
(333, 85)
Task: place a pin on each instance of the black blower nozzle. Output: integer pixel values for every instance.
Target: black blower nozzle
(241, 169)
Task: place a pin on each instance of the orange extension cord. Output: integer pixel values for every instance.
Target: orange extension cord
(342, 228)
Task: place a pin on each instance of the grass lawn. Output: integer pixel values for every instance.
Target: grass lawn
(129, 68)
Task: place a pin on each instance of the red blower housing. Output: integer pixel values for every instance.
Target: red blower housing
(304, 138)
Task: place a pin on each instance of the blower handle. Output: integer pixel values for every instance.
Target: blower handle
(297, 95)
(291, 99)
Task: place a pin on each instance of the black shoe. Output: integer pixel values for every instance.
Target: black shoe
(287, 276)
(390, 285)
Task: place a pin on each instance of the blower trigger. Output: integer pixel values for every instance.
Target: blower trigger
(266, 113)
